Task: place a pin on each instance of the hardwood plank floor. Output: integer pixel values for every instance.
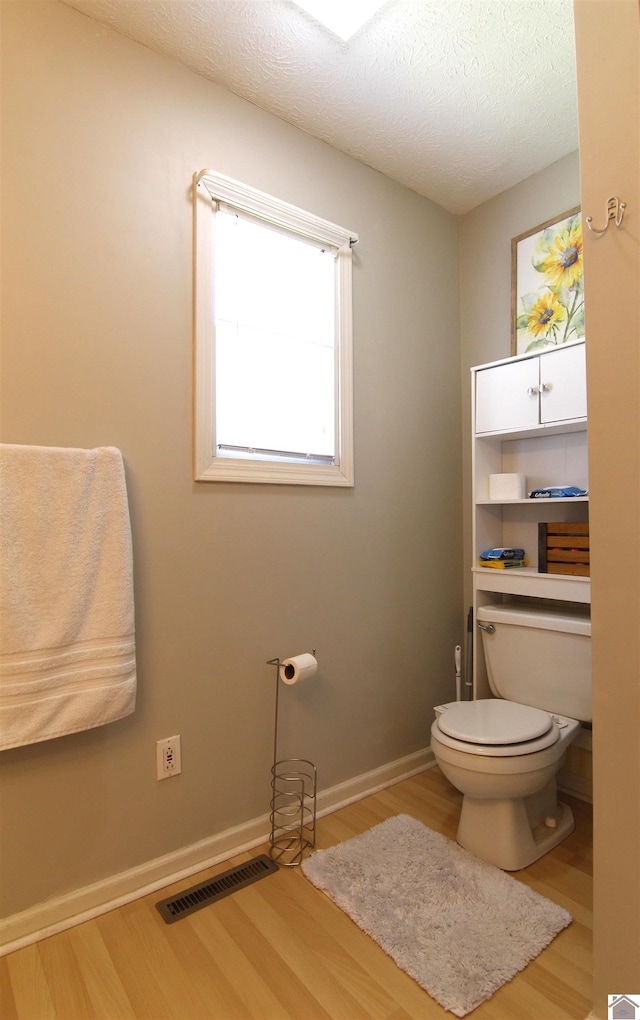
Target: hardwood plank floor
(281, 950)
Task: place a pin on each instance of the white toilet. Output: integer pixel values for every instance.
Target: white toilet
(504, 753)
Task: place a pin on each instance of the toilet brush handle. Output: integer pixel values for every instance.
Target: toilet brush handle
(457, 658)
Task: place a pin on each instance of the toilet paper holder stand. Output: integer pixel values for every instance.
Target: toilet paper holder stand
(292, 814)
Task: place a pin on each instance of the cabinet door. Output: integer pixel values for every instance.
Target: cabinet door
(507, 396)
(563, 385)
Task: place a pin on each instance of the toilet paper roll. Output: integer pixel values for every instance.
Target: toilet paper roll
(298, 667)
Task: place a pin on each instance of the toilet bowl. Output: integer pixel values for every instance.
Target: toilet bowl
(510, 813)
(503, 755)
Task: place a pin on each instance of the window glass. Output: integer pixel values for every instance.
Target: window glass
(274, 300)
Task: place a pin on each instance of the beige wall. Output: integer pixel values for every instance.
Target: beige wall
(608, 46)
(101, 138)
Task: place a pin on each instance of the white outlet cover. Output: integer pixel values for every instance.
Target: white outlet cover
(162, 771)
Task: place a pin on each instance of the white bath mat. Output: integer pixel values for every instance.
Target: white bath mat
(460, 927)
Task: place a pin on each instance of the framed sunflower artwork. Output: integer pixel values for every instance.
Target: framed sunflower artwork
(547, 284)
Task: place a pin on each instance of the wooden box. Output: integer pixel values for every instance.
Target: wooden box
(563, 548)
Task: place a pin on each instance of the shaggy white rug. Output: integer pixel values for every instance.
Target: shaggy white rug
(460, 927)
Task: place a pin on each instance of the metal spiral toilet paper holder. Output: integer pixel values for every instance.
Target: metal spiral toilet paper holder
(292, 813)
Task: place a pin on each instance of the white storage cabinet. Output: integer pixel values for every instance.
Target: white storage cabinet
(529, 416)
(524, 393)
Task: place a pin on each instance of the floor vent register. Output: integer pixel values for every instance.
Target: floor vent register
(202, 895)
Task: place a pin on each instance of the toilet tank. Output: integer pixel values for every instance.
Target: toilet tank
(539, 657)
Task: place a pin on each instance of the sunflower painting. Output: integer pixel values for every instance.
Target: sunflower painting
(547, 288)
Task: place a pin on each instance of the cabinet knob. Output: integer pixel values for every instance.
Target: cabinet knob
(545, 387)
(532, 391)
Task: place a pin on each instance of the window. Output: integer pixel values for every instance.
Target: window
(273, 340)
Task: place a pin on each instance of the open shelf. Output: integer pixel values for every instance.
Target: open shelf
(529, 582)
(530, 502)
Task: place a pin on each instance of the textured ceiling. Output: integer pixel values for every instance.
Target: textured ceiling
(457, 99)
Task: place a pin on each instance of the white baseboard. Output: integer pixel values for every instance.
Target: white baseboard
(581, 788)
(52, 916)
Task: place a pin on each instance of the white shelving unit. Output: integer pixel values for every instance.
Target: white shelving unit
(529, 416)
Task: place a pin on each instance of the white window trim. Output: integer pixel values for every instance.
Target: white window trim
(210, 186)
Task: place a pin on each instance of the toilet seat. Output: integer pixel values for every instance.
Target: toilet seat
(496, 728)
(494, 721)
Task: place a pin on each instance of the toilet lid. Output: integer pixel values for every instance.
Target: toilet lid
(523, 749)
(494, 721)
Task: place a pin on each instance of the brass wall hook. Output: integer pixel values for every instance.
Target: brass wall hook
(615, 211)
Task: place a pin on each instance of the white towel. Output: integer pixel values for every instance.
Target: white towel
(67, 639)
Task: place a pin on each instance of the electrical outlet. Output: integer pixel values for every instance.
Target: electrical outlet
(168, 757)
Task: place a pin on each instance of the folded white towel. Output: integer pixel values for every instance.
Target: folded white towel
(67, 638)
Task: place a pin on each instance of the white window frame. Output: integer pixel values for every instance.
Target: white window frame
(209, 189)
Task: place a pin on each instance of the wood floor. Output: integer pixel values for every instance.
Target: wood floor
(280, 949)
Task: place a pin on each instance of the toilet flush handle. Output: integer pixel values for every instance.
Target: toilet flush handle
(488, 627)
